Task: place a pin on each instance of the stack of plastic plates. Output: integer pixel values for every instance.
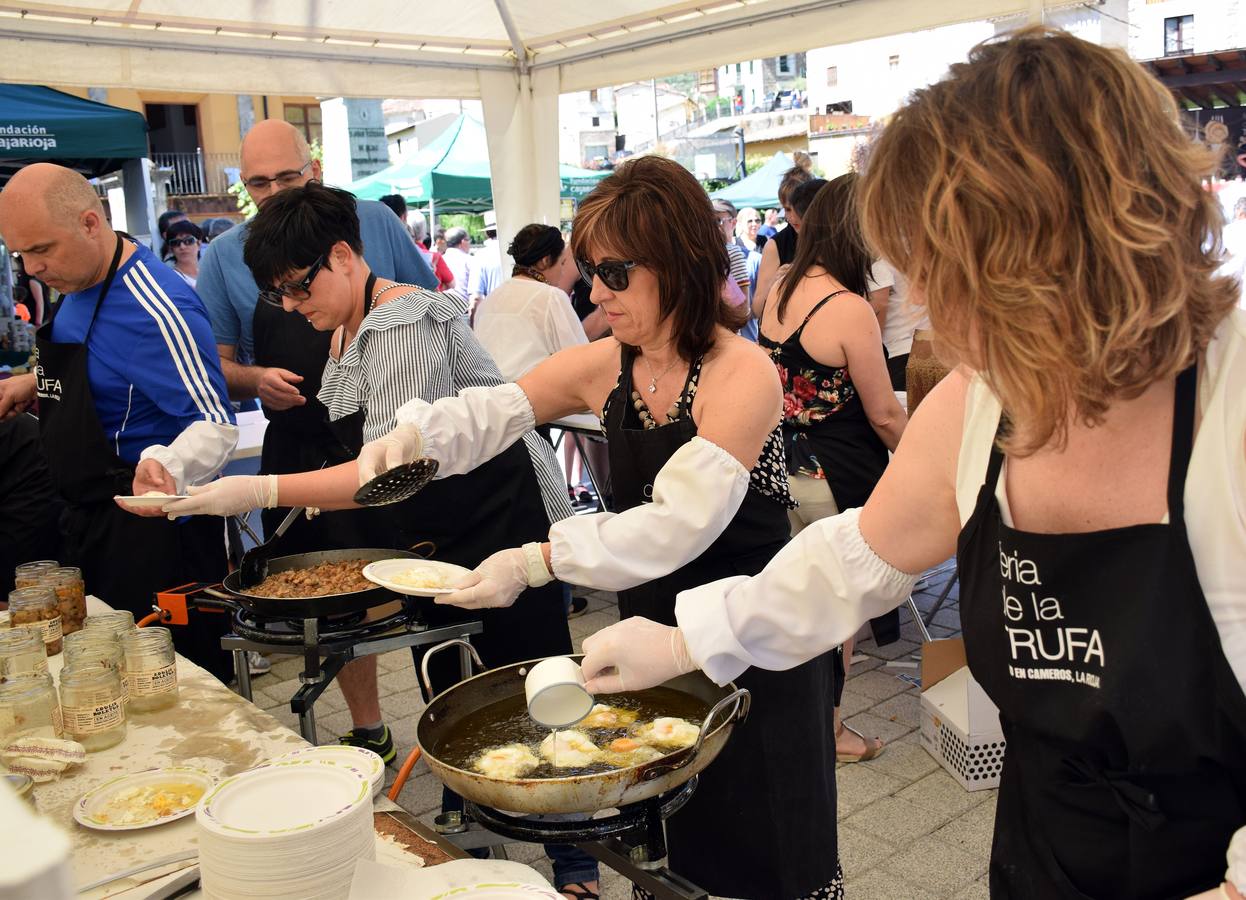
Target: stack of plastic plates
(293, 828)
(365, 760)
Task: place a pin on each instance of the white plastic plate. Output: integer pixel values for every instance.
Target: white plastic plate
(149, 502)
(383, 572)
(283, 797)
(361, 758)
(94, 803)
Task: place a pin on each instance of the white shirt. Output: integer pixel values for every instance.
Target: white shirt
(1234, 264)
(486, 270)
(903, 318)
(810, 597)
(525, 322)
(460, 264)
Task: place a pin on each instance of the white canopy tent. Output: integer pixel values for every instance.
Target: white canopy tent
(517, 56)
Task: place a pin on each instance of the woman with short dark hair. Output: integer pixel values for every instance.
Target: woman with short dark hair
(691, 414)
(185, 242)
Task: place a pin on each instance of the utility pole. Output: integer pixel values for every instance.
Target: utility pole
(657, 128)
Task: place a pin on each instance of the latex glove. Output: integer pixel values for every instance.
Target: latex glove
(501, 578)
(402, 445)
(227, 497)
(149, 475)
(632, 655)
(1235, 877)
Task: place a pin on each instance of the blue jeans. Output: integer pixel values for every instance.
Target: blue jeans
(570, 863)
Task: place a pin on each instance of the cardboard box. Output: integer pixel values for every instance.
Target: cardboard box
(960, 724)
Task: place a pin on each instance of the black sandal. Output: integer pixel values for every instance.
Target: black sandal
(579, 889)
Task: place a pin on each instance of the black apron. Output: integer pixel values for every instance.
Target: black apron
(762, 822)
(299, 439)
(1125, 769)
(125, 559)
(468, 517)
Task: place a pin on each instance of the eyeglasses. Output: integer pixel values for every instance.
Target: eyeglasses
(612, 272)
(287, 179)
(752, 221)
(183, 242)
(297, 291)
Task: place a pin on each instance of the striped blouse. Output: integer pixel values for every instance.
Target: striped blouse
(420, 345)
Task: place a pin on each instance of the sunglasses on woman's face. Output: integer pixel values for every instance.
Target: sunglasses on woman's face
(183, 242)
(612, 272)
(295, 290)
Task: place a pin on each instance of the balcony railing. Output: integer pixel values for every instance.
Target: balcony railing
(199, 172)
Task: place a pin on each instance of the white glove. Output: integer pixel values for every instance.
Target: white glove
(227, 497)
(1236, 874)
(500, 579)
(632, 655)
(402, 445)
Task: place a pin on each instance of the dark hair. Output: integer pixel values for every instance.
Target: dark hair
(795, 177)
(535, 244)
(184, 226)
(802, 195)
(648, 206)
(162, 224)
(214, 228)
(398, 204)
(830, 238)
(297, 226)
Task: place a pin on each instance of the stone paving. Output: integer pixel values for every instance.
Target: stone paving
(906, 828)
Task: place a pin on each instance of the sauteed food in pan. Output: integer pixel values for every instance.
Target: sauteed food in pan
(318, 581)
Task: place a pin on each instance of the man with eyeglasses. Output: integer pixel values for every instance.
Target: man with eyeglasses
(130, 398)
(274, 355)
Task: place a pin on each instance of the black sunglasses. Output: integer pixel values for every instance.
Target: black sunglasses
(612, 272)
(295, 290)
(183, 242)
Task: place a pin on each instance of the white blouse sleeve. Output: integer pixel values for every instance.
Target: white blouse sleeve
(814, 595)
(562, 328)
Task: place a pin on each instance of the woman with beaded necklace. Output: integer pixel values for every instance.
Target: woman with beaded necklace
(691, 414)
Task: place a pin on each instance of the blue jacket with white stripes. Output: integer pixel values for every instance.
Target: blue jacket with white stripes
(152, 362)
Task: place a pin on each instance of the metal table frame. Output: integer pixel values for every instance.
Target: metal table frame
(578, 434)
(336, 653)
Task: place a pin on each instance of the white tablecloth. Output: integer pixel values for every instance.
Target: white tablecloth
(211, 728)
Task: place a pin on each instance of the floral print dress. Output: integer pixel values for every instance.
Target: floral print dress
(826, 433)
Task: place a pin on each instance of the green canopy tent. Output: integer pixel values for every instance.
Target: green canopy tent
(452, 174)
(39, 124)
(759, 190)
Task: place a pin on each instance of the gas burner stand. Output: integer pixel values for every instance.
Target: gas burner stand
(632, 842)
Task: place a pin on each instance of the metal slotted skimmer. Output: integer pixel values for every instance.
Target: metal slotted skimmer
(398, 484)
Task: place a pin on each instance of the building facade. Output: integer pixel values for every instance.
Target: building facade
(1179, 27)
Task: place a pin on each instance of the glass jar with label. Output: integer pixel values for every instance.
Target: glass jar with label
(95, 646)
(31, 573)
(22, 652)
(28, 706)
(152, 666)
(91, 709)
(118, 621)
(37, 606)
(71, 596)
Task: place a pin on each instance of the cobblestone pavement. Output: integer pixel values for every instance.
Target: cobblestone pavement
(906, 828)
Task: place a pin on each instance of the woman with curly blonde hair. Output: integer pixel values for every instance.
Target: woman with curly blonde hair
(1045, 203)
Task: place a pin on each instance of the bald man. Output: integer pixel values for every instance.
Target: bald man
(276, 355)
(131, 399)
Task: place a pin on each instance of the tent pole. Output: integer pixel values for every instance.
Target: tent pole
(432, 217)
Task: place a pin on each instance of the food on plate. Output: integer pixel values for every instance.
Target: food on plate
(603, 716)
(510, 761)
(147, 803)
(317, 581)
(154, 494)
(624, 752)
(569, 750)
(419, 578)
(668, 731)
